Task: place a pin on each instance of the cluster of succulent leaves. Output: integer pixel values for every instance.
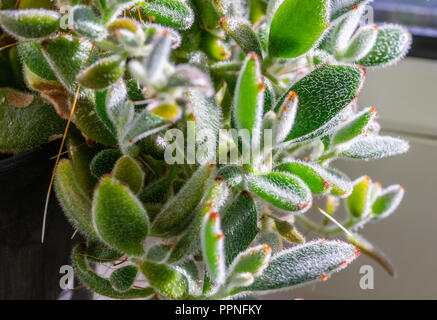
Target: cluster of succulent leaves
(132, 70)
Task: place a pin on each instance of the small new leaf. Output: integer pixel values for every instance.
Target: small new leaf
(102, 73)
(212, 243)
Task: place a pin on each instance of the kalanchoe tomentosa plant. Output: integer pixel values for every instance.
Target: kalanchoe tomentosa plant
(181, 220)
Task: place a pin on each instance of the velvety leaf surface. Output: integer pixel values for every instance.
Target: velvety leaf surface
(165, 279)
(302, 264)
(284, 191)
(123, 278)
(306, 20)
(354, 127)
(361, 44)
(172, 13)
(208, 123)
(178, 212)
(119, 217)
(323, 94)
(68, 56)
(311, 174)
(214, 202)
(26, 121)
(74, 201)
(128, 171)
(241, 31)
(212, 244)
(87, 24)
(81, 155)
(30, 24)
(375, 147)
(239, 225)
(341, 185)
(90, 124)
(389, 199)
(392, 44)
(102, 73)
(249, 98)
(97, 251)
(104, 162)
(34, 59)
(158, 253)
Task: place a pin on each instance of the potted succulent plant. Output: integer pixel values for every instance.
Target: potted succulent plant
(198, 135)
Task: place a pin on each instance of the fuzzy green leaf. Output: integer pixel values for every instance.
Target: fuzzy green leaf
(392, 44)
(239, 225)
(323, 94)
(287, 231)
(158, 253)
(189, 242)
(233, 175)
(143, 125)
(178, 212)
(358, 202)
(89, 122)
(285, 119)
(248, 105)
(241, 31)
(122, 279)
(341, 185)
(253, 260)
(26, 121)
(114, 8)
(212, 244)
(87, 24)
(208, 123)
(307, 20)
(102, 73)
(172, 13)
(306, 263)
(374, 147)
(388, 201)
(248, 265)
(68, 56)
(81, 155)
(128, 171)
(354, 127)
(99, 252)
(104, 162)
(361, 44)
(100, 285)
(284, 191)
(34, 59)
(119, 217)
(311, 174)
(31, 23)
(165, 279)
(74, 201)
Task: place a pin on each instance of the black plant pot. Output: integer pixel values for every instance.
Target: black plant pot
(29, 269)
